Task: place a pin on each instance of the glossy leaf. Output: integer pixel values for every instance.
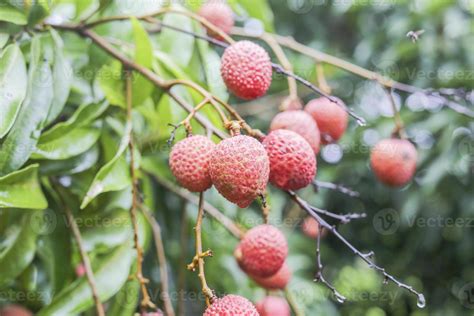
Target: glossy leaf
(62, 78)
(22, 139)
(21, 189)
(3, 39)
(111, 83)
(141, 86)
(10, 14)
(13, 85)
(111, 273)
(71, 166)
(113, 176)
(17, 249)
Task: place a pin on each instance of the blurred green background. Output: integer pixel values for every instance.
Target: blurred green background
(422, 233)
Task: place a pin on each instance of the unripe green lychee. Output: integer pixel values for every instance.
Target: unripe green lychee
(292, 161)
(262, 251)
(394, 161)
(301, 123)
(219, 14)
(246, 69)
(331, 118)
(278, 281)
(273, 306)
(231, 305)
(239, 169)
(189, 162)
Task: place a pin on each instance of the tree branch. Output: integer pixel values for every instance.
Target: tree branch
(336, 187)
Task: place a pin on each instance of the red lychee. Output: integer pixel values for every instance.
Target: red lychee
(189, 162)
(219, 14)
(292, 161)
(310, 228)
(231, 305)
(246, 69)
(262, 251)
(394, 161)
(301, 123)
(278, 281)
(15, 310)
(330, 117)
(239, 169)
(273, 306)
(80, 270)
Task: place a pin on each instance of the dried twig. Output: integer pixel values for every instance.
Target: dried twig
(336, 187)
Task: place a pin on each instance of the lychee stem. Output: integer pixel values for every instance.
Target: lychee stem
(199, 257)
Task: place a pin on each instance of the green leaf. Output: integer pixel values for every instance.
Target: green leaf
(111, 83)
(126, 301)
(10, 14)
(21, 189)
(178, 45)
(38, 12)
(3, 39)
(71, 166)
(259, 10)
(17, 249)
(13, 85)
(62, 78)
(141, 86)
(111, 273)
(113, 176)
(22, 139)
(73, 137)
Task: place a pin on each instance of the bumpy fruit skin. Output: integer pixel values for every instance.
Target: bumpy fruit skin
(301, 123)
(292, 161)
(278, 281)
(15, 310)
(219, 14)
(262, 251)
(246, 69)
(231, 305)
(331, 118)
(189, 162)
(239, 169)
(394, 161)
(310, 228)
(273, 306)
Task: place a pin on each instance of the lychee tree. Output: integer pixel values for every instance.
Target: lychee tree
(127, 161)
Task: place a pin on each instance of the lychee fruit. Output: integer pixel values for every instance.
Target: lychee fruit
(394, 161)
(80, 270)
(301, 123)
(278, 281)
(310, 228)
(15, 310)
(189, 162)
(262, 251)
(218, 13)
(292, 160)
(246, 69)
(273, 306)
(239, 169)
(331, 118)
(231, 305)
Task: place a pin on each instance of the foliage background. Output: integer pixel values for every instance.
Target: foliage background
(422, 245)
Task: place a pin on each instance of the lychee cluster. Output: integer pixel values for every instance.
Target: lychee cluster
(394, 161)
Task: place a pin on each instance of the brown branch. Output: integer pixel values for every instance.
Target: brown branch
(160, 251)
(364, 256)
(84, 257)
(210, 296)
(232, 227)
(336, 187)
(146, 301)
(399, 126)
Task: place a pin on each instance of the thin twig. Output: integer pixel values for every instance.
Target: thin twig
(336, 187)
(146, 300)
(230, 225)
(319, 277)
(364, 256)
(210, 296)
(160, 251)
(343, 218)
(84, 257)
(399, 126)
